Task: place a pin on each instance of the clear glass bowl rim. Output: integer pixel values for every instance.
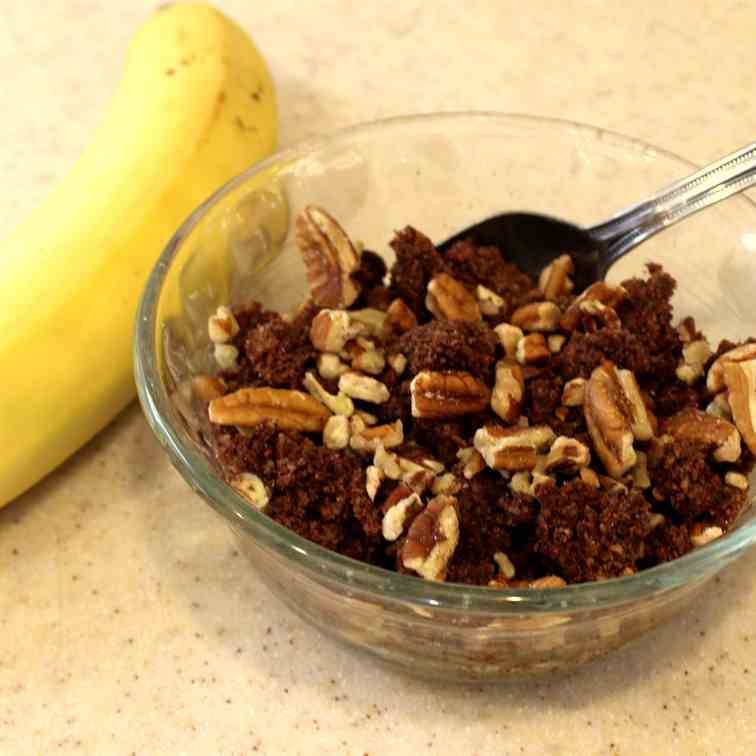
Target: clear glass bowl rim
(355, 575)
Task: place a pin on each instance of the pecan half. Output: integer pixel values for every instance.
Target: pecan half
(715, 378)
(448, 299)
(512, 449)
(607, 415)
(432, 538)
(692, 424)
(329, 257)
(509, 389)
(292, 410)
(440, 395)
(601, 292)
(740, 379)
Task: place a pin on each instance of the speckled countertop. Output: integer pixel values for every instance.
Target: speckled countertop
(129, 624)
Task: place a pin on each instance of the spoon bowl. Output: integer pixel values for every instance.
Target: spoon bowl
(531, 240)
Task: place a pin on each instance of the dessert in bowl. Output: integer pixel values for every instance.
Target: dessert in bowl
(382, 420)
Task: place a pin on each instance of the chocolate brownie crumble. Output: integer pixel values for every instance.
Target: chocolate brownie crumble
(451, 418)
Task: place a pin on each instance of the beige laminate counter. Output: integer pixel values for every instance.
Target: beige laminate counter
(129, 624)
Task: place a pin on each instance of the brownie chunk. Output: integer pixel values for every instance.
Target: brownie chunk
(666, 542)
(319, 491)
(417, 261)
(254, 450)
(589, 534)
(685, 478)
(279, 352)
(586, 351)
(564, 522)
(483, 530)
(450, 345)
(647, 315)
(486, 265)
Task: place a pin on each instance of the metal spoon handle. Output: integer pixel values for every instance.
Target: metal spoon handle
(713, 183)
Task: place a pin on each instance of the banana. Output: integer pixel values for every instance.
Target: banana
(195, 106)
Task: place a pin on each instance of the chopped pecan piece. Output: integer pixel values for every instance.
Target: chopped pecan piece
(339, 404)
(432, 539)
(363, 387)
(369, 438)
(472, 460)
(594, 315)
(567, 455)
(695, 355)
(448, 299)
(554, 280)
(331, 329)
(701, 534)
(400, 509)
(336, 432)
(601, 292)
(292, 410)
(532, 349)
(251, 487)
(509, 336)
(490, 303)
(330, 366)
(508, 392)
(329, 257)
(512, 449)
(442, 395)
(373, 478)
(399, 317)
(573, 393)
(208, 387)
(222, 327)
(537, 316)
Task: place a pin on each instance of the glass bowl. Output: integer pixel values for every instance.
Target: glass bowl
(439, 173)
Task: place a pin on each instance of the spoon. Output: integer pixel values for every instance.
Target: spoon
(531, 241)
